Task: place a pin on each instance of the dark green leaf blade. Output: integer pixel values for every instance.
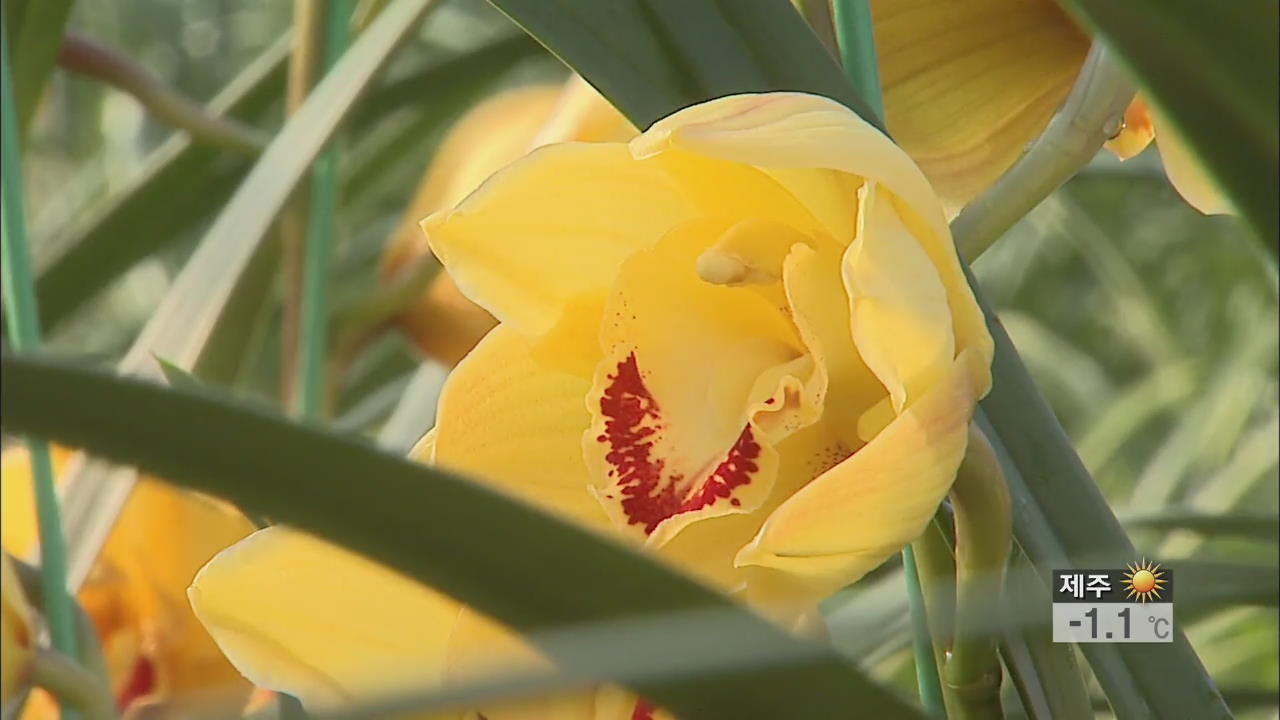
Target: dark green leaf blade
(496, 553)
(652, 57)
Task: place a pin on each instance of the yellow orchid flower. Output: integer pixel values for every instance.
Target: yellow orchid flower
(157, 653)
(443, 323)
(17, 640)
(742, 342)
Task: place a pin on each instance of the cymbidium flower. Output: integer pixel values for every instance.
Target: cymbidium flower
(742, 342)
(157, 653)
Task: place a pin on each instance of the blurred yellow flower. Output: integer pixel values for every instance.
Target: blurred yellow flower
(742, 342)
(17, 641)
(156, 651)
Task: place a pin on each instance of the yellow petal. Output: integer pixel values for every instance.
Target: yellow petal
(1137, 133)
(693, 390)
(163, 536)
(855, 515)
(968, 83)
(135, 592)
(821, 311)
(899, 312)
(443, 323)
(17, 640)
(481, 650)
(298, 615)
(1186, 173)
(552, 226)
(794, 132)
(507, 421)
(489, 136)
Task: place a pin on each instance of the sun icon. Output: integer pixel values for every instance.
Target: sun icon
(1144, 581)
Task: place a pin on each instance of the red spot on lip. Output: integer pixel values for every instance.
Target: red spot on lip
(643, 711)
(650, 496)
(141, 683)
(769, 401)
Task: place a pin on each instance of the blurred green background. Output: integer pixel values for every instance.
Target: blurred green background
(1151, 328)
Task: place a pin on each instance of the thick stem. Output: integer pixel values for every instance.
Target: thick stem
(984, 536)
(926, 577)
(88, 57)
(1092, 114)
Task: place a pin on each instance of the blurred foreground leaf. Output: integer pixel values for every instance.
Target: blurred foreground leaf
(496, 553)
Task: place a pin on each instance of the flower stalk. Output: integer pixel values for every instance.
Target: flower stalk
(86, 56)
(984, 536)
(23, 329)
(1092, 114)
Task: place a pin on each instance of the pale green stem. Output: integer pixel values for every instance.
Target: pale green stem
(72, 685)
(304, 65)
(1092, 114)
(857, 48)
(935, 599)
(984, 537)
(313, 342)
(855, 34)
(23, 327)
(927, 681)
(87, 57)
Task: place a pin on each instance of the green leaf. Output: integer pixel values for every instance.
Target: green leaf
(652, 57)
(1204, 586)
(476, 544)
(180, 185)
(1261, 526)
(180, 328)
(1213, 68)
(176, 376)
(36, 42)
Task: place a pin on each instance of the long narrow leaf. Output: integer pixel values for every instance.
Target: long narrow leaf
(651, 57)
(189, 313)
(180, 185)
(476, 544)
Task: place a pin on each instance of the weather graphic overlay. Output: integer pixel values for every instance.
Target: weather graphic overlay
(1144, 581)
(1125, 605)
